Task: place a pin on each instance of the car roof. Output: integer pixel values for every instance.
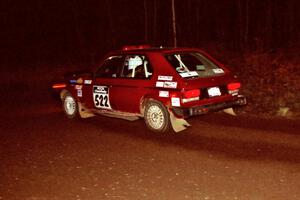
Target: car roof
(163, 50)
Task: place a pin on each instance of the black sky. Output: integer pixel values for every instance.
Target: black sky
(75, 30)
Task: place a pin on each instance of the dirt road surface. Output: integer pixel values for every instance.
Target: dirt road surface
(45, 156)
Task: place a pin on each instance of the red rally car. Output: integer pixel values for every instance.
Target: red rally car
(162, 85)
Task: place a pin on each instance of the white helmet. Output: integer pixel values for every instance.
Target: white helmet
(134, 62)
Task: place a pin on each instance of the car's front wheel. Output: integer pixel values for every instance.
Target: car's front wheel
(70, 106)
(157, 117)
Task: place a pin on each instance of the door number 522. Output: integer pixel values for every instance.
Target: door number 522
(101, 101)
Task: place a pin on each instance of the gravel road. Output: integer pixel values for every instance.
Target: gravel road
(45, 156)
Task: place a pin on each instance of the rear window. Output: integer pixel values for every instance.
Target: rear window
(193, 65)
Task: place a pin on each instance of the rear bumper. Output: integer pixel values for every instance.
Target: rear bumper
(199, 110)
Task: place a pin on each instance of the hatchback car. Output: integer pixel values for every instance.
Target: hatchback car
(164, 86)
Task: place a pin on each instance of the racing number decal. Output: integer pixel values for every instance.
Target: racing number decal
(101, 101)
(101, 97)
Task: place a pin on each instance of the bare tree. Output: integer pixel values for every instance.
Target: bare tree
(78, 29)
(246, 34)
(174, 24)
(111, 23)
(240, 22)
(146, 21)
(155, 8)
(243, 12)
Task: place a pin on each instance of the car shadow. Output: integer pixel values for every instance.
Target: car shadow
(282, 125)
(233, 148)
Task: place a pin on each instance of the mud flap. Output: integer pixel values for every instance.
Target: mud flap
(178, 124)
(83, 112)
(229, 111)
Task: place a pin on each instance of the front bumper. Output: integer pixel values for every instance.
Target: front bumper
(200, 110)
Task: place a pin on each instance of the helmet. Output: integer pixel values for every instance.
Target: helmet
(134, 62)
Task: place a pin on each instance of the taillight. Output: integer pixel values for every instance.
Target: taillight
(233, 88)
(191, 95)
(59, 85)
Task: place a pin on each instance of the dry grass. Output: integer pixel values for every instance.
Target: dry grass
(271, 82)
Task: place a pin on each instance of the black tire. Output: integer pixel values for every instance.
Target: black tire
(70, 106)
(156, 116)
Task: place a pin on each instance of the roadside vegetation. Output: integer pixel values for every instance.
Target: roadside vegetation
(270, 80)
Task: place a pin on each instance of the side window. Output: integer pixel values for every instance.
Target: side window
(136, 67)
(111, 67)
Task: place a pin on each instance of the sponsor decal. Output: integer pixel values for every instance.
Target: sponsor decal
(159, 84)
(188, 74)
(165, 78)
(100, 89)
(79, 81)
(175, 101)
(78, 87)
(73, 81)
(88, 82)
(214, 91)
(169, 84)
(218, 71)
(164, 93)
(79, 93)
(101, 97)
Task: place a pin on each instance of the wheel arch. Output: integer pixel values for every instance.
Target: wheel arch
(144, 100)
(63, 93)
(66, 91)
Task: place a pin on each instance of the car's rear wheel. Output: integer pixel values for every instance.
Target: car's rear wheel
(156, 117)
(70, 106)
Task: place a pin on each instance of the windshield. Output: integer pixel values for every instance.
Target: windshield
(193, 65)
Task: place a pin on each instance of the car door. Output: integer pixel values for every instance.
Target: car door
(104, 94)
(133, 83)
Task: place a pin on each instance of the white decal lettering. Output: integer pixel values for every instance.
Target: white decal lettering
(159, 84)
(164, 93)
(88, 82)
(175, 101)
(168, 84)
(165, 78)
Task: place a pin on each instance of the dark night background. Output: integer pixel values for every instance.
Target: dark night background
(46, 156)
(62, 31)
(258, 39)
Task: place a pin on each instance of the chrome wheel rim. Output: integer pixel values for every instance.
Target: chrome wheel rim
(155, 117)
(70, 105)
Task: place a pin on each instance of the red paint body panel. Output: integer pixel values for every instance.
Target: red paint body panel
(119, 93)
